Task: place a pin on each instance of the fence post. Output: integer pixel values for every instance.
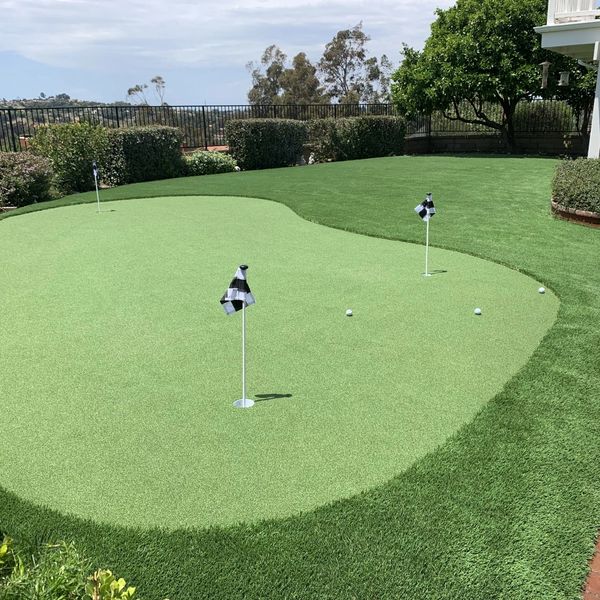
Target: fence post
(12, 130)
(117, 117)
(204, 128)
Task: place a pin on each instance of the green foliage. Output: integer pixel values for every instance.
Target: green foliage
(479, 54)
(57, 573)
(72, 148)
(202, 162)
(542, 117)
(24, 178)
(7, 557)
(576, 184)
(266, 143)
(357, 137)
(103, 585)
(144, 154)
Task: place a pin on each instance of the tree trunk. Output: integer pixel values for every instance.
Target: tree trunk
(509, 126)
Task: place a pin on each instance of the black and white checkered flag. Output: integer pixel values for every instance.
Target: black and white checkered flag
(426, 209)
(237, 293)
(95, 169)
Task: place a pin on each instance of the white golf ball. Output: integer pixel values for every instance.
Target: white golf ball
(349, 312)
(542, 290)
(477, 311)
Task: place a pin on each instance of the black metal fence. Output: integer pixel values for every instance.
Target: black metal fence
(204, 126)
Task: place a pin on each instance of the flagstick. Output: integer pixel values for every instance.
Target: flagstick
(427, 273)
(97, 194)
(244, 352)
(244, 402)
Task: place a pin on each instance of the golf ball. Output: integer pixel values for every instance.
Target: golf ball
(542, 290)
(349, 312)
(477, 311)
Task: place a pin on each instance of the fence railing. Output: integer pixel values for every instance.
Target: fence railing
(204, 126)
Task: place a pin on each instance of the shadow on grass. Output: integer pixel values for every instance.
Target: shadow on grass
(265, 397)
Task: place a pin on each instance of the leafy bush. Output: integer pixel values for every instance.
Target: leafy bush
(265, 143)
(24, 178)
(143, 154)
(57, 573)
(357, 137)
(71, 149)
(103, 585)
(539, 117)
(576, 184)
(202, 162)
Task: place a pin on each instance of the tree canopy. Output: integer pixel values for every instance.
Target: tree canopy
(345, 72)
(480, 54)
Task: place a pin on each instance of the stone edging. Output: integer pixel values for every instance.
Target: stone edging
(584, 217)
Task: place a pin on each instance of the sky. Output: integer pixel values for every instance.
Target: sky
(98, 49)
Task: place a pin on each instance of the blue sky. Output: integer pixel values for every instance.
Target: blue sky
(97, 49)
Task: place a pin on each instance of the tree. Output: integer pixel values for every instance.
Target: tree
(300, 83)
(266, 87)
(138, 91)
(159, 88)
(481, 54)
(348, 74)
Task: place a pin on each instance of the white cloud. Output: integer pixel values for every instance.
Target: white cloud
(155, 34)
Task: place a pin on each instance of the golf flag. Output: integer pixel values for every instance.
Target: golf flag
(237, 293)
(426, 209)
(95, 170)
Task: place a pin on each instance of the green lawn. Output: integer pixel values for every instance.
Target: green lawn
(130, 365)
(508, 507)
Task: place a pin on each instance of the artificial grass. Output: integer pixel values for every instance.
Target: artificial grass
(119, 361)
(508, 508)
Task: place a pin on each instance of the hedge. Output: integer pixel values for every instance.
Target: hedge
(143, 154)
(203, 162)
(24, 178)
(71, 149)
(576, 184)
(266, 143)
(357, 137)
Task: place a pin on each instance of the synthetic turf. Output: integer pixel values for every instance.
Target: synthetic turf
(120, 363)
(508, 508)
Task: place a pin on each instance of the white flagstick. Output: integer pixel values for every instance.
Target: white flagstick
(244, 402)
(427, 273)
(97, 194)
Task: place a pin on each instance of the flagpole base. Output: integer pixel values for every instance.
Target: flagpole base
(244, 403)
(426, 274)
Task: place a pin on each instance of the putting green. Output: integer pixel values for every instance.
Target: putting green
(119, 367)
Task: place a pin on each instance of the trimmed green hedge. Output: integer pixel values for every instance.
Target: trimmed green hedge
(144, 154)
(266, 143)
(203, 162)
(71, 149)
(576, 184)
(24, 178)
(357, 137)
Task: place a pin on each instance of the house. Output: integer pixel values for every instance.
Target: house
(573, 29)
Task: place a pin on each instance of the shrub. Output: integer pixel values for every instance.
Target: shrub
(265, 143)
(24, 178)
(357, 137)
(144, 154)
(576, 184)
(58, 572)
(72, 148)
(542, 117)
(202, 162)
